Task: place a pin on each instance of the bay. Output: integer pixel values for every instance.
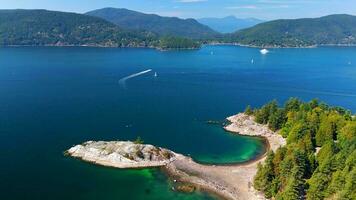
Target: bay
(53, 98)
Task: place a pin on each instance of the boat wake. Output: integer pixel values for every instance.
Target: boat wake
(122, 81)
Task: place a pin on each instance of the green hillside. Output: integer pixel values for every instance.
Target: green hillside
(42, 27)
(329, 30)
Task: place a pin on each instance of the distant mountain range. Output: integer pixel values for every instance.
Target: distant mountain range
(328, 30)
(229, 24)
(133, 29)
(163, 26)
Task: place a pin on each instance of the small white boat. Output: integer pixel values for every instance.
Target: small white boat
(252, 61)
(156, 74)
(264, 51)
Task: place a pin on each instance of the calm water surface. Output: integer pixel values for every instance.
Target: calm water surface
(53, 98)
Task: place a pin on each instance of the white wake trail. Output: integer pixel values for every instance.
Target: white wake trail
(122, 81)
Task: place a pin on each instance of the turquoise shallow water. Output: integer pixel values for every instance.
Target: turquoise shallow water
(53, 98)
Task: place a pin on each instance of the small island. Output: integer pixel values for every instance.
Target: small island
(122, 154)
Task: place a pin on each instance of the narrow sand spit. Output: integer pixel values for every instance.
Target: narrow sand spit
(228, 182)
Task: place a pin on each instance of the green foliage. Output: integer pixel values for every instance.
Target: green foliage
(296, 170)
(262, 115)
(42, 27)
(347, 134)
(276, 119)
(292, 104)
(297, 132)
(139, 141)
(332, 29)
(163, 26)
(265, 176)
(51, 28)
(248, 110)
(272, 115)
(327, 151)
(294, 188)
(329, 126)
(177, 43)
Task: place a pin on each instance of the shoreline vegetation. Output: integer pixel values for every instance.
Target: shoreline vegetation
(318, 161)
(177, 47)
(310, 155)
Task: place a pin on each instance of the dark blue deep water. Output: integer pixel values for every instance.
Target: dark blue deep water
(53, 98)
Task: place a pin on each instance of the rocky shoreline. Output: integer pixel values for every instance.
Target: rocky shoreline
(245, 125)
(228, 182)
(122, 154)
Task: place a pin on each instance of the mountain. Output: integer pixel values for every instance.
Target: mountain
(328, 30)
(43, 27)
(229, 24)
(164, 26)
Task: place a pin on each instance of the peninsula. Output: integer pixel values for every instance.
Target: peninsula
(227, 181)
(311, 155)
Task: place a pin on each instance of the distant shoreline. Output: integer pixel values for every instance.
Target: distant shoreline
(278, 47)
(188, 49)
(103, 46)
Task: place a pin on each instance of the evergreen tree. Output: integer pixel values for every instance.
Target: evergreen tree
(276, 119)
(295, 171)
(265, 176)
(292, 104)
(248, 110)
(327, 151)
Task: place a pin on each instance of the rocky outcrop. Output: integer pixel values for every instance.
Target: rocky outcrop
(246, 125)
(121, 154)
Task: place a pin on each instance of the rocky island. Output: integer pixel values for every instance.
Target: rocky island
(122, 154)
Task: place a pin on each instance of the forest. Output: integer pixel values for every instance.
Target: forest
(318, 160)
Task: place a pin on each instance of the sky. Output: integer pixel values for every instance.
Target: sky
(262, 9)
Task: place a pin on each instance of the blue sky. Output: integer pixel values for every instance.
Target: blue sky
(263, 9)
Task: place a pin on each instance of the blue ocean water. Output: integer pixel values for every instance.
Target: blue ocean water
(53, 98)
